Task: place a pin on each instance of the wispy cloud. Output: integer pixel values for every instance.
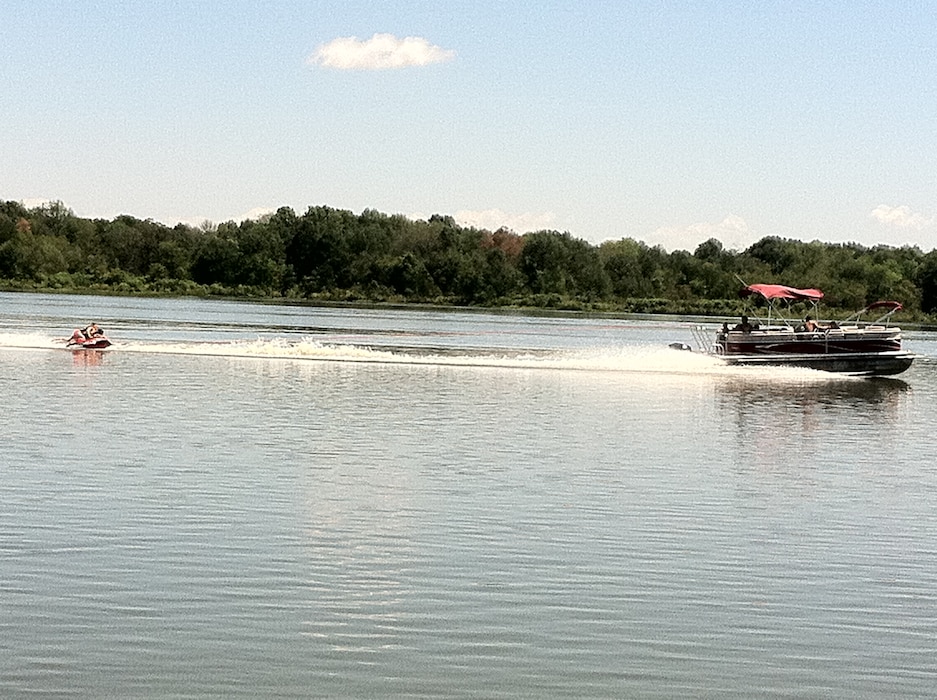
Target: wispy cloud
(35, 202)
(380, 52)
(256, 214)
(208, 223)
(900, 217)
(733, 232)
(493, 219)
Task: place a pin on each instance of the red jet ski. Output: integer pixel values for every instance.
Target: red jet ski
(82, 341)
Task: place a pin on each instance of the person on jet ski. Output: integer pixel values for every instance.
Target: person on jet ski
(92, 331)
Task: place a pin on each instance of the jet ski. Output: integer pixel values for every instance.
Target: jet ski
(81, 341)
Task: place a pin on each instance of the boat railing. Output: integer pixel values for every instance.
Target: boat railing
(702, 337)
(890, 308)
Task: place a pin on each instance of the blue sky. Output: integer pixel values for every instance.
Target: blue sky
(669, 123)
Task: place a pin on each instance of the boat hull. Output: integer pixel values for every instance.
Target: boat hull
(867, 351)
(93, 344)
(881, 364)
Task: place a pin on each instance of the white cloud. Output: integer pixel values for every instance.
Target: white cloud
(733, 232)
(35, 202)
(208, 223)
(380, 52)
(493, 219)
(256, 214)
(900, 217)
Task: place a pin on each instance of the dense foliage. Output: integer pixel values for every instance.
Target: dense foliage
(327, 254)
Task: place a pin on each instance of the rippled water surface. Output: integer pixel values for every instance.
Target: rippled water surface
(248, 500)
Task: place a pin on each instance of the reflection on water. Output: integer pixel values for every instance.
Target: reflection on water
(750, 393)
(87, 358)
(795, 414)
(795, 411)
(801, 437)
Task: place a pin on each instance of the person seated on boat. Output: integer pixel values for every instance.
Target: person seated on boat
(810, 325)
(744, 326)
(92, 331)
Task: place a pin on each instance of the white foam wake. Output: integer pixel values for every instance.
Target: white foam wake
(637, 359)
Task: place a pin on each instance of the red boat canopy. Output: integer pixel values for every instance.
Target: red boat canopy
(779, 291)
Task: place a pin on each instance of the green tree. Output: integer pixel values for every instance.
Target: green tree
(216, 261)
(409, 276)
(557, 263)
(777, 253)
(33, 257)
(927, 282)
(318, 253)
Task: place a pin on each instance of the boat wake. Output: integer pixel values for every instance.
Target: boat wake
(656, 360)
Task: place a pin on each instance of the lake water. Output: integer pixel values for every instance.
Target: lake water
(255, 500)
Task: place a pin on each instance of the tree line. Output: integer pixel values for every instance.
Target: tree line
(328, 254)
